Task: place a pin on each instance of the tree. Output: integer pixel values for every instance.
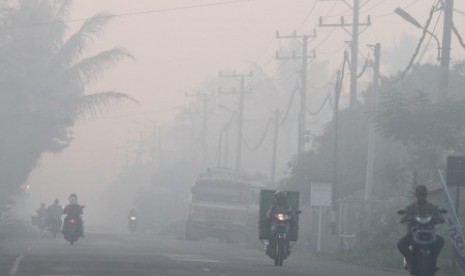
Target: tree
(44, 76)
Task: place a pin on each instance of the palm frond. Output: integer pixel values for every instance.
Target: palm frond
(88, 106)
(64, 9)
(86, 71)
(80, 41)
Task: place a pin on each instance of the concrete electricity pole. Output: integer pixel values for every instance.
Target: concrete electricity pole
(355, 33)
(275, 146)
(373, 99)
(240, 115)
(303, 92)
(445, 50)
(337, 94)
(204, 122)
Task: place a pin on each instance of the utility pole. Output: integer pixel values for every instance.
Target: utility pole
(373, 100)
(275, 146)
(204, 122)
(226, 146)
(355, 33)
(303, 91)
(153, 142)
(445, 50)
(240, 115)
(337, 93)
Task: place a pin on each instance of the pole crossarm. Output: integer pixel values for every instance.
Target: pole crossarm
(234, 74)
(295, 35)
(294, 56)
(344, 24)
(354, 33)
(304, 57)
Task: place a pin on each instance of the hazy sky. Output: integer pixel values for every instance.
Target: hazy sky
(177, 46)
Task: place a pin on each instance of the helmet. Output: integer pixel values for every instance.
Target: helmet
(73, 198)
(421, 190)
(280, 195)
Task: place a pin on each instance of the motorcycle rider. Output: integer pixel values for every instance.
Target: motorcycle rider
(421, 207)
(54, 212)
(42, 216)
(74, 210)
(132, 213)
(279, 206)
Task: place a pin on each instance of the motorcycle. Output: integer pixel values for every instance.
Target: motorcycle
(71, 230)
(132, 224)
(279, 250)
(423, 236)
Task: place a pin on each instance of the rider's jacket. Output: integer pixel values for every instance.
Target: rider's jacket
(73, 210)
(55, 211)
(427, 209)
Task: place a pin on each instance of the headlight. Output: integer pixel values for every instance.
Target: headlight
(282, 216)
(133, 218)
(423, 220)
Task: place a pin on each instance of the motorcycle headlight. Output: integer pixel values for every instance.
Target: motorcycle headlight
(133, 218)
(423, 220)
(282, 217)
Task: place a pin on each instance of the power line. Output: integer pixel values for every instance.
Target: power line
(312, 9)
(392, 13)
(314, 113)
(289, 106)
(260, 142)
(457, 34)
(420, 42)
(373, 7)
(212, 4)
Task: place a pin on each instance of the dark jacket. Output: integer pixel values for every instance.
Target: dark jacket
(73, 210)
(416, 209)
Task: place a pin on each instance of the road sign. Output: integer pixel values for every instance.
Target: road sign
(455, 171)
(320, 193)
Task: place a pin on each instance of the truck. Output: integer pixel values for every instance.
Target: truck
(223, 205)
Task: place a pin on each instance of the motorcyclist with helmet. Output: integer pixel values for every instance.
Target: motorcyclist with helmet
(74, 210)
(420, 208)
(279, 206)
(54, 212)
(42, 216)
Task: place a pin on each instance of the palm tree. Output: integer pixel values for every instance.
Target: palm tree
(44, 76)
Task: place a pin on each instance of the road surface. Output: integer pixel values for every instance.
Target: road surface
(101, 254)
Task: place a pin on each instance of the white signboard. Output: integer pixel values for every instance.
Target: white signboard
(321, 193)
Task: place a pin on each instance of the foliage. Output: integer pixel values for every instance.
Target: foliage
(415, 134)
(44, 74)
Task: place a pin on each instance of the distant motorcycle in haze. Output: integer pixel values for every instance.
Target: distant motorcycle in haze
(132, 224)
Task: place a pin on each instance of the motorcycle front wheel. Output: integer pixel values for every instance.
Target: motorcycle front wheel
(280, 251)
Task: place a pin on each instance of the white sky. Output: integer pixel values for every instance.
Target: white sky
(176, 51)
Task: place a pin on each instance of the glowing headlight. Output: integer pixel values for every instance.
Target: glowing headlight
(423, 220)
(282, 217)
(133, 218)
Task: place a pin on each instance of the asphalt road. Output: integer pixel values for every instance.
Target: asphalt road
(100, 254)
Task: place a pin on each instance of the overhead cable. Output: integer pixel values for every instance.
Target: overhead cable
(289, 106)
(457, 34)
(420, 42)
(261, 139)
(211, 4)
(314, 113)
